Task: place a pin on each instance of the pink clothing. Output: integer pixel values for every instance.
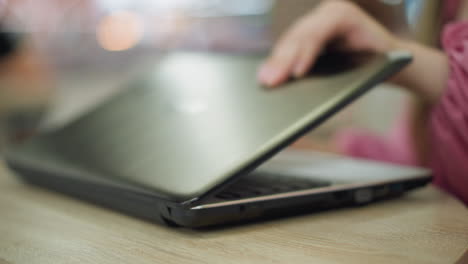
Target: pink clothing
(450, 10)
(396, 147)
(448, 126)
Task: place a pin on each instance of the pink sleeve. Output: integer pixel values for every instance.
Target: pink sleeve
(448, 127)
(395, 147)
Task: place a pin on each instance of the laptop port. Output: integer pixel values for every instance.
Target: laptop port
(381, 191)
(363, 196)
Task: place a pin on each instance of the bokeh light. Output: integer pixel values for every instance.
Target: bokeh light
(120, 30)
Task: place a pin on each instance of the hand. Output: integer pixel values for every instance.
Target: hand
(337, 22)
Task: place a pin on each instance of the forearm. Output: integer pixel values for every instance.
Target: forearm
(427, 75)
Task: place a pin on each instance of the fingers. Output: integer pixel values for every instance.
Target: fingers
(304, 60)
(277, 68)
(299, 48)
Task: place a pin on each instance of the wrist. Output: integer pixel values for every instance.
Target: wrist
(427, 74)
(402, 77)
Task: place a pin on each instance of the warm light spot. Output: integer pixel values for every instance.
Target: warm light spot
(119, 31)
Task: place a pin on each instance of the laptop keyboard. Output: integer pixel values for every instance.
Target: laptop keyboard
(259, 184)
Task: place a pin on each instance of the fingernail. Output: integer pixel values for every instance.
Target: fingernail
(267, 75)
(298, 72)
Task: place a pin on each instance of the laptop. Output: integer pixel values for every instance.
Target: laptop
(193, 143)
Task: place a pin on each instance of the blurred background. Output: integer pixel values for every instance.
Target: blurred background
(74, 54)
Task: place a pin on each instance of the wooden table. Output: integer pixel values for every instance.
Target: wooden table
(38, 226)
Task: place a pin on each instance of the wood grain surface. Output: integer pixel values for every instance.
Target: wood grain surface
(38, 226)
